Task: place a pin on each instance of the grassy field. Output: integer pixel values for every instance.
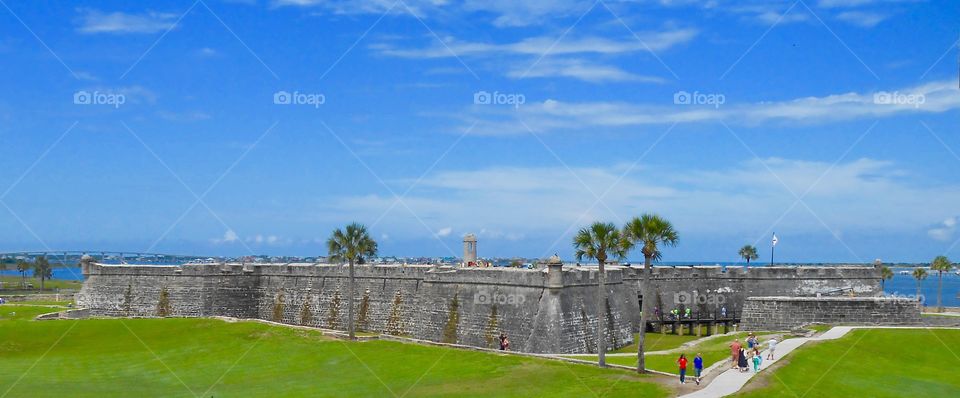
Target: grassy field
(12, 284)
(211, 358)
(658, 342)
(713, 350)
(869, 363)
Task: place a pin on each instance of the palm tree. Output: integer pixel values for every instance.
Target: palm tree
(22, 267)
(599, 241)
(353, 245)
(3, 267)
(42, 270)
(748, 252)
(940, 264)
(650, 232)
(885, 274)
(920, 274)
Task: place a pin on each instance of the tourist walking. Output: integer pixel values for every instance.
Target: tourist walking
(742, 361)
(735, 352)
(751, 340)
(757, 358)
(723, 312)
(772, 346)
(682, 361)
(698, 366)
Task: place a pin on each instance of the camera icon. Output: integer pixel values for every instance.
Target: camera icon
(482, 98)
(482, 297)
(882, 98)
(282, 98)
(82, 97)
(682, 298)
(681, 98)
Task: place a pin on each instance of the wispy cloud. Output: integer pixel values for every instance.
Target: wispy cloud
(579, 69)
(945, 230)
(94, 21)
(536, 46)
(556, 115)
(501, 13)
(863, 194)
(864, 19)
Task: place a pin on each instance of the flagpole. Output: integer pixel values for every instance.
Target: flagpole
(773, 246)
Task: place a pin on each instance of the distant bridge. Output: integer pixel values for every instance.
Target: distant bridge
(72, 257)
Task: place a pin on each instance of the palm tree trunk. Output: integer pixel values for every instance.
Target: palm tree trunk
(918, 289)
(351, 290)
(601, 316)
(644, 312)
(940, 292)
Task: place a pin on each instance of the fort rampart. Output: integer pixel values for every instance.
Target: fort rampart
(551, 310)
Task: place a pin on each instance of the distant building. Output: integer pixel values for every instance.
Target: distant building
(470, 250)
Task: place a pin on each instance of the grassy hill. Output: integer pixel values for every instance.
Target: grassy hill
(868, 363)
(211, 358)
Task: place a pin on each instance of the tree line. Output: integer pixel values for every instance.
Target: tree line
(40, 266)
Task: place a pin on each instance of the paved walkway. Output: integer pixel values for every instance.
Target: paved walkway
(732, 380)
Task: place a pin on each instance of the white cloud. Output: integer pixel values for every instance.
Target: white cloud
(444, 232)
(854, 197)
(94, 21)
(555, 115)
(579, 69)
(501, 13)
(862, 18)
(536, 46)
(228, 237)
(271, 240)
(858, 3)
(944, 231)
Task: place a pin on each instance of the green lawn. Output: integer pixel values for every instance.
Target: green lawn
(713, 350)
(211, 358)
(658, 342)
(870, 363)
(12, 284)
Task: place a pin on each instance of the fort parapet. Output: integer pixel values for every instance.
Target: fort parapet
(551, 310)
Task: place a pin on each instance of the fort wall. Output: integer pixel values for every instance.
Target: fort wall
(542, 311)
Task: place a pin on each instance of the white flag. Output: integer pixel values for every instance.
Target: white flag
(775, 239)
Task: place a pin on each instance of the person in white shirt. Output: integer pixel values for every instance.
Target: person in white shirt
(771, 348)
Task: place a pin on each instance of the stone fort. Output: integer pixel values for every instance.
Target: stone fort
(548, 310)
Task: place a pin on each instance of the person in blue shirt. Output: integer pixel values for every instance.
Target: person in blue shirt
(698, 366)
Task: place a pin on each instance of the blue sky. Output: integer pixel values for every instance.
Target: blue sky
(136, 127)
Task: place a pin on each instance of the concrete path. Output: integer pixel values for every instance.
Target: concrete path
(732, 380)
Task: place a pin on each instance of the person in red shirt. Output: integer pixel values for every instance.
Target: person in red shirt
(735, 351)
(683, 368)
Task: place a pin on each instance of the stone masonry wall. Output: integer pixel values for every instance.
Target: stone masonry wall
(467, 306)
(708, 289)
(785, 313)
(459, 305)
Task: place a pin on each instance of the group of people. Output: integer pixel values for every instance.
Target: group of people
(504, 342)
(681, 312)
(697, 367)
(745, 357)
